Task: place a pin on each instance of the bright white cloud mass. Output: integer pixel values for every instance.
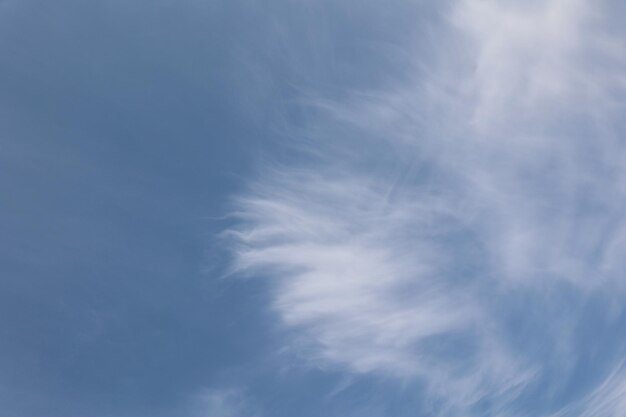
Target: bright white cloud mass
(461, 225)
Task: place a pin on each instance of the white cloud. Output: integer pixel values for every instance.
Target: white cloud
(608, 399)
(364, 280)
(495, 173)
(525, 53)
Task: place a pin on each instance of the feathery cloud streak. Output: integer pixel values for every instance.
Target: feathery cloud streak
(483, 191)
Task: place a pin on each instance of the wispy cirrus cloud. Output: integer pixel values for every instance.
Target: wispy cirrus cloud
(484, 191)
(607, 399)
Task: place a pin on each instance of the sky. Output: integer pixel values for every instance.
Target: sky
(306, 208)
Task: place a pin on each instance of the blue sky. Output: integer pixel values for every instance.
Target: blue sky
(312, 208)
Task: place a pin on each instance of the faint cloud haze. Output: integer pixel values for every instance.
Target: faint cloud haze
(221, 403)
